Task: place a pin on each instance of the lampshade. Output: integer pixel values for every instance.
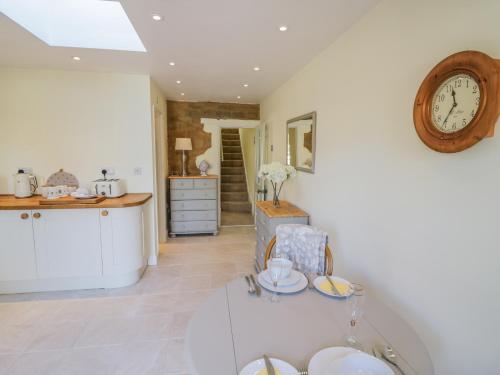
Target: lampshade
(183, 144)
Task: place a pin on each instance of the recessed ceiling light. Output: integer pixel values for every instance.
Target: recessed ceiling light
(76, 58)
(178, 82)
(245, 85)
(182, 94)
(171, 63)
(239, 97)
(283, 28)
(256, 68)
(157, 17)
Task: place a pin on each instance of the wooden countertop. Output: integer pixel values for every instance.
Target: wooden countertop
(195, 176)
(286, 209)
(10, 202)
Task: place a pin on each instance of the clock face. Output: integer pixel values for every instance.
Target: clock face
(455, 103)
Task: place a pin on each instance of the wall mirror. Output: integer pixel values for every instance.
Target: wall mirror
(301, 142)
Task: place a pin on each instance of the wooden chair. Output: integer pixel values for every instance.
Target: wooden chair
(328, 256)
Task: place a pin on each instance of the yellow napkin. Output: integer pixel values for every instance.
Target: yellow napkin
(264, 372)
(341, 287)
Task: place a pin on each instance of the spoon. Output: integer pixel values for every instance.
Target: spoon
(389, 354)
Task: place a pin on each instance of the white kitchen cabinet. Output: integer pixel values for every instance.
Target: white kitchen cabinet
(17, 249)
(122, 240)
(67, 243)
(46, 249)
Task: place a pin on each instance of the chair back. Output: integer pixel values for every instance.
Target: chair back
(328, 262)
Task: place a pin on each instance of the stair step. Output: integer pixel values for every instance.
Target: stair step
(232, 163)
(233, 156)
(234, 187)
(230, 137)
(236, 206)
(233, 171)
(231, 149)
(230, 142)
(233, 178)
(234, 196)
(230, 131)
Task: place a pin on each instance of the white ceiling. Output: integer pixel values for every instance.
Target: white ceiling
(214, 43)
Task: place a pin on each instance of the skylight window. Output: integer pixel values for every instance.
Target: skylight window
(100, 24)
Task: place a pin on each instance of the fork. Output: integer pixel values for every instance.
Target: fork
(303, 372)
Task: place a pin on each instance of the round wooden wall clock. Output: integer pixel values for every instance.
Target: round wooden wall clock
(458, 103)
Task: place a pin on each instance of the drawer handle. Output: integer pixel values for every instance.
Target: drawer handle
(104, 213)
(37, 215)
(24, 216)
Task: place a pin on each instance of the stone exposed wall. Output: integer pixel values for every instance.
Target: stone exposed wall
(184, 121)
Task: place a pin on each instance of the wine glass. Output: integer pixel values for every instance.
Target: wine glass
(275, 271)
(355, 310)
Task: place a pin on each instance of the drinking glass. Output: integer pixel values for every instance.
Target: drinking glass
(275, 273)
(355, 310)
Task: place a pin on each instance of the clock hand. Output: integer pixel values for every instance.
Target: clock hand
(452, 107)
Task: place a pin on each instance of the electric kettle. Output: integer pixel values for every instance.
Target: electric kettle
(24, 184)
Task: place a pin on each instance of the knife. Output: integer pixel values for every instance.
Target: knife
(335, 290)
(256, 286)
(269, 365)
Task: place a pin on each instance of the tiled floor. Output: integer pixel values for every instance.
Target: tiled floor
(134, 330)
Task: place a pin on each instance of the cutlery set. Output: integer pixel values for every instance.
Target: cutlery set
(253, 287)
(388, 355)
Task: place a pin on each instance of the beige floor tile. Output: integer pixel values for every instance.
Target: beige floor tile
(53, 336)
(39, 363)
(17, 337)
(6, 361)
(90, 361)
(110, 331)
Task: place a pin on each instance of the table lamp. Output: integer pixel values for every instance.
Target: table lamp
(183, 144)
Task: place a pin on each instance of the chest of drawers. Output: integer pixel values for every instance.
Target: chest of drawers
(193, 205)
(268, 218)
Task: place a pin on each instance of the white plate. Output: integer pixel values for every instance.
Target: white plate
(293, 278)
(253, 368)
(346, 361)
(297, 287)
(320, 279)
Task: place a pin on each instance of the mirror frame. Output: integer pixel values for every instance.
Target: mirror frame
(313, 136)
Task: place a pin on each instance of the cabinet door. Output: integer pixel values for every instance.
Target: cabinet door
(17, 250)
(67, 243)
(122, 240)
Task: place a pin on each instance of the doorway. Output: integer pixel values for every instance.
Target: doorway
(237, 175)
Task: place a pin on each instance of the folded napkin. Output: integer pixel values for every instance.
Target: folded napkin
(343, 288)
(264, 372)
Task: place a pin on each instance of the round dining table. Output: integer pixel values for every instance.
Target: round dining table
(233, 328)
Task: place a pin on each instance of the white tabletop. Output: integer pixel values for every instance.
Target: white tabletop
(233, 328)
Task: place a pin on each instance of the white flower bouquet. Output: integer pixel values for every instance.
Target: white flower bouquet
(277, 174)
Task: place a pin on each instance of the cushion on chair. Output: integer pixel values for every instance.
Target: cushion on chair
(304, 245)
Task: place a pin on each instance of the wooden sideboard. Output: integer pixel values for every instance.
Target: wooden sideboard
(193, 204)
(268, 218)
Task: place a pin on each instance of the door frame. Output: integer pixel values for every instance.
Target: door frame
(160, 164)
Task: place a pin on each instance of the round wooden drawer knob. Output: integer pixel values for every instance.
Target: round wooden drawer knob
(24, 216)
(37, 215)
(105, 213)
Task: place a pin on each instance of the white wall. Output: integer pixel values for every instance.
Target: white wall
(248, 145)
(79, 121)
(420, 227)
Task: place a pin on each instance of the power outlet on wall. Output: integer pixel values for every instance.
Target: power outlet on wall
(137, 171)
(25, 169)
(110, 171)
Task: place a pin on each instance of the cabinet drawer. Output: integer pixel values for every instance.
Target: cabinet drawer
(177, 195)
(193, 226)
(181, 183)
(262, 217)
(194, 215)
(193, 205)
(205, 183)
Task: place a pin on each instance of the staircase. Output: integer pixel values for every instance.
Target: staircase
(234, 194)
